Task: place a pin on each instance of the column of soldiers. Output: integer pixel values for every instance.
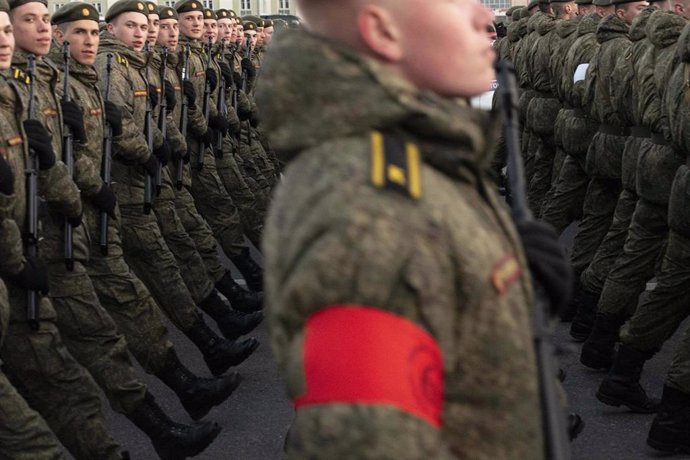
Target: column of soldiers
(131, 156)
(604, 110)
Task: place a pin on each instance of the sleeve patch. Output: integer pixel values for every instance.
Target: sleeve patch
(395, 165)
(506, 272)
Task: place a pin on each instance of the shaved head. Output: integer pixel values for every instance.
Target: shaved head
(388, 31)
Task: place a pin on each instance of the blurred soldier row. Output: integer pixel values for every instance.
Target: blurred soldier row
(604, 111)
(131, 158)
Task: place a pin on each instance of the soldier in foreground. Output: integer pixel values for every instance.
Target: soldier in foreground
(386, 246)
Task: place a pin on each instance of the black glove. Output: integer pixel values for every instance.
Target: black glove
(188, 89)
(33, 277)
(105, 200)
(76, 220)
(151, 165)
(113, 115)
(177, 155)
(212, 78)
(153, 96)
(6, 177)
(237, 78)
(187, 157)
(254, 119)
(208, 138)
(170, 98)
(226, 71)
(548, 264)
(219, 123)
(162, 152)
(243, 113)
(40, 141)
(73, 117)
(248, 67)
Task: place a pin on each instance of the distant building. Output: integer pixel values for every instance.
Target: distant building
(500, 6)
(241, 7)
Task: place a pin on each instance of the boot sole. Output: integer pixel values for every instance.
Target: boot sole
(617, 402)
(219, 399)
(183, 452)
(239, 333)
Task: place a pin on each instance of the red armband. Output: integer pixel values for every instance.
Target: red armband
(364, 355)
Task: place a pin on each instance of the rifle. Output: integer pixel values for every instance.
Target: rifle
(184, 117)
(555, 432)
(236, 94)
(162, 122)
(245, 84)
(207, 103)
(32, 314)
(148, 130)
(67, 157)
(106, 163)
(221, 105)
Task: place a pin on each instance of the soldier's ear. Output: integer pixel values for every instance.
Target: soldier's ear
(379, 31)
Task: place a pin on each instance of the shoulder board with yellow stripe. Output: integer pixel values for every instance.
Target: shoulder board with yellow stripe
(121, 60)
(395, 165)
(20, 75)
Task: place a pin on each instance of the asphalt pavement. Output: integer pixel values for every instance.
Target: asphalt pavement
(257, 416)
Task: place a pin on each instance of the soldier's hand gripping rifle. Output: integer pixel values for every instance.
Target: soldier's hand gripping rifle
(106, 162)
(67, 156)
(32, 315)
(148, 130)
(207, 102)
(554, 416)
(162, 121)
(184, 116)
(221, 105)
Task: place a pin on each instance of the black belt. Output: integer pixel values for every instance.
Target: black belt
(640, 131)
(658, 139)
(614, 130)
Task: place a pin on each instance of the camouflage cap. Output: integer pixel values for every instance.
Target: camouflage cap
(125, 6)
(4, 6)
(185, 6)
(16, 3)
(167, 12)
(602, 2)
(583, 2)
(620, 2)
(75, 11)
(532, 4)
(544, 2)
(524, 13)
(248, 25)
(268, 23)
(279, 24)
(517, 13)
(509, 11)
(152, 7)
(210, 14)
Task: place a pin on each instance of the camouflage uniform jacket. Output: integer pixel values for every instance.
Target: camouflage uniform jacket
(581, 52)
(538, 61)
(129, 91)
(516, 32)
(612, 36)
(523, 50)
(567, 32)
(333, 237)
(677, 97)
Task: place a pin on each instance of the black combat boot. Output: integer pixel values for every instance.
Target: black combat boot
(252, 273)
(584, 318)
(622, 386)
(232, 324)
(671, 426)
(197, 395)
(240, 299)
(599, 348)
(172, 441)
(219, 354)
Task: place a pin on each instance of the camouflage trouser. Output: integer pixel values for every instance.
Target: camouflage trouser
(91, 336)
(126, 298)
(200, 232)
(597, 213)
(648, 230)
(217, 207)
(24, 435)
(611, 247)
(153, 262)
(248, 206)
(250, 159)
(54, 384)
(542, 113)
(194, 272)
(270, 153)
(564, 205)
